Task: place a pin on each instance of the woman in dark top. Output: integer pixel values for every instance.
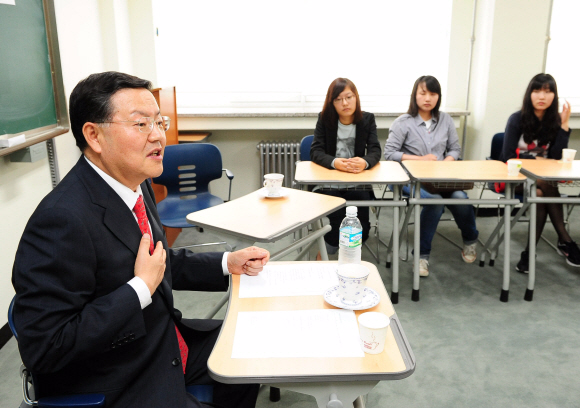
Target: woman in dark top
(539, 131)
(345, 139)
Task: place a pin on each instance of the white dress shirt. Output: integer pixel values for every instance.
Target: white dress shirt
(130, 197)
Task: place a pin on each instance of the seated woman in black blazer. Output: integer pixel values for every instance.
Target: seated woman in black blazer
(345, 139)
(538, 131)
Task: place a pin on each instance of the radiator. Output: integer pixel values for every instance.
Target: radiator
(279, 157)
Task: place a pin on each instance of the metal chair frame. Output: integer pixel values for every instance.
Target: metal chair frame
(203, 393)
(488, 246)
(305, 144)
(188, 170)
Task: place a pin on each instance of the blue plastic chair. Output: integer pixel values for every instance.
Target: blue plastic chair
(305, 144)
(69, 401)
(496, 146)
(187, 171)
(203, 393)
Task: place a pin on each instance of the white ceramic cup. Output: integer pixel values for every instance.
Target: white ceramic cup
(514, 167)
(352, 279)
(273, 184)
(568, 155)
(373, 331)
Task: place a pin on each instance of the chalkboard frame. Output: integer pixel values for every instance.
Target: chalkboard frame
(38, 135)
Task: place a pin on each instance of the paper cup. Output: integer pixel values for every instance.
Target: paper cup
(514, 167)
(352, 279)
(373, 331)
(273, 183)
(568, 155)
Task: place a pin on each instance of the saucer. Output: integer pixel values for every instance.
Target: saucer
(370, 299)
(264, 193)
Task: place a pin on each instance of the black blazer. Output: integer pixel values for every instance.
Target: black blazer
(366, 143)
(80, 325)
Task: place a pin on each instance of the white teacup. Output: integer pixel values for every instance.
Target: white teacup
(514, 167)
(352, 279)
(373, 331)
(273, 183)
(568, 155)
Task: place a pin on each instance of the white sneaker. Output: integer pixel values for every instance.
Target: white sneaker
(469, 254)
(423, 267)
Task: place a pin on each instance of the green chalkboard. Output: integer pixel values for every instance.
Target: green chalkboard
(32, 99)
(26, 88)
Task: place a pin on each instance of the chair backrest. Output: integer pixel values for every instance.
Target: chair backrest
(11, 318)
(189, 167)
(305, 144)
(496, 146)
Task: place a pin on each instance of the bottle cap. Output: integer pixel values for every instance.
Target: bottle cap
(351, 210)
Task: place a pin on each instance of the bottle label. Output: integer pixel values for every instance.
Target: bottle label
(350, 240)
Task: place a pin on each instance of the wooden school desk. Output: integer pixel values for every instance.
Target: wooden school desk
(563, 174)
(346, 377)
(254, 218)
(385, 172)
(455, 174)
(192, 136)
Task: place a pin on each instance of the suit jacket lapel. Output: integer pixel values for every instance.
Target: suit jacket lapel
(120, 221)
(118, 217)
(359, 140)
(158, 235)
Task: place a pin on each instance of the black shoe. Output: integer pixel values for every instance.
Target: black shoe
(523, 265)
(571, 251)
(562, 249)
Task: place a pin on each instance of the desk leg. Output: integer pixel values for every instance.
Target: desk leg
(488, 246)
(395, 247)
(532, 262)
(505, 288)
(344, 393)
(321, 243)
(416, 245)
(513, 223)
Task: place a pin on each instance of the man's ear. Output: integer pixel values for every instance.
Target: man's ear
(93, 135)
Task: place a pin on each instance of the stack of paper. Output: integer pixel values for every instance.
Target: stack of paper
(299, 279)
(293, 334)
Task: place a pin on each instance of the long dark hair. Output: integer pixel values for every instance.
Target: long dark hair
(545, 130)
(329, 114)
(432, 85)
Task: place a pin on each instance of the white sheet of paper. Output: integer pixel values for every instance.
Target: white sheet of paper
(11, 2)
(300, 333)
(299, 279)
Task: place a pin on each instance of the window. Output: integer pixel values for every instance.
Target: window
(275, 56)
(563, 60)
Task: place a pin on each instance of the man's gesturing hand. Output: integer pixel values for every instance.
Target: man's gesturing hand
(250, 261)
(150, 268)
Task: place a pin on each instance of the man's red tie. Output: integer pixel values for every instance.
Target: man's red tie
(141, 214)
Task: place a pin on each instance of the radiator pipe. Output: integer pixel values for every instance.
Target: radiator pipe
(279, 157)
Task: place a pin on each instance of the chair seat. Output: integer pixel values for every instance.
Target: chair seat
(173, 210)
(204, 393)
(73, 401)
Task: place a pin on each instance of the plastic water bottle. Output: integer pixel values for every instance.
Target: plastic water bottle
(350, 240)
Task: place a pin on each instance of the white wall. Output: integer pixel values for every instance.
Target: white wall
(94, 36)
(98, 35)
(509, 51)
(23, 185)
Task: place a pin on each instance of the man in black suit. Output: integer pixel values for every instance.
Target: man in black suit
(94, 307)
